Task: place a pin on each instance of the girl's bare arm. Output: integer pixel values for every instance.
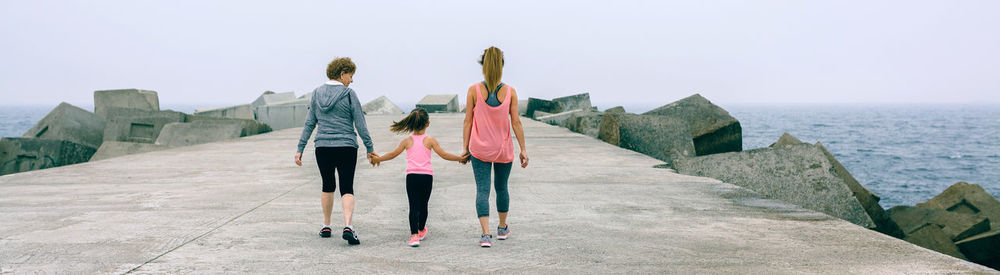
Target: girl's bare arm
(403, 145)
(440, 151)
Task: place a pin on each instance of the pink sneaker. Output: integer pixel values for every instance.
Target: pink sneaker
(422, 233)
(414, 241)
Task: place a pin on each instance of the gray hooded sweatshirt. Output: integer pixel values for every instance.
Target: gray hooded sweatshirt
(335, 112)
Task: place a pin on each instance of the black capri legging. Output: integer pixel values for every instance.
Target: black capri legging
(342, 160)
(418, 191)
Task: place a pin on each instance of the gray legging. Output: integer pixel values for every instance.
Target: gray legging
(481, 170)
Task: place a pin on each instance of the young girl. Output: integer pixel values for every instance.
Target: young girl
(419, 175)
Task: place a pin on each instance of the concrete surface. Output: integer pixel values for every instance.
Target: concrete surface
(582, 206)
(68, 122)
(125, 98)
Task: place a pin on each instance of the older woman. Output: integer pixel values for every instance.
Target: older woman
(490, 113)
(335, 113)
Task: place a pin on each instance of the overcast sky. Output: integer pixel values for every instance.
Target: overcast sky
(621, 52)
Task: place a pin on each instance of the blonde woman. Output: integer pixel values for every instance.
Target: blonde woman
(490, 114)
(335, 113)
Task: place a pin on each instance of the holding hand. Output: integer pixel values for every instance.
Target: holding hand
(374, 159)
(465, 157)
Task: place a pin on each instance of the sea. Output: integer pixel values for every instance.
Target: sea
(906, 154)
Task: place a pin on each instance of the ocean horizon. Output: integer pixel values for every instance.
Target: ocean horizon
(905, 153)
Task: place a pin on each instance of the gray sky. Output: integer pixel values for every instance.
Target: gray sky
(623, 52)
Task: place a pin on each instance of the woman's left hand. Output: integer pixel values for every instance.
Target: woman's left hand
(524, 159)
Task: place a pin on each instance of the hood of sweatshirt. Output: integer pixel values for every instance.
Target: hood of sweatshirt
(330, 97)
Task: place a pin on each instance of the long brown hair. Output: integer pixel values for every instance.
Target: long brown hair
(492, 61)
(415, 121)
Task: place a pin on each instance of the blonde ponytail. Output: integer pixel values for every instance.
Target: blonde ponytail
(492, 61)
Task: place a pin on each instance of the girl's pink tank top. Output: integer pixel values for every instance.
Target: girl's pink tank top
(418, 157)
(490, 140)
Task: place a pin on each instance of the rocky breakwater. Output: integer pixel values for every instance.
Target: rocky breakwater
(130, 121)
(963, 221)
(696, 137)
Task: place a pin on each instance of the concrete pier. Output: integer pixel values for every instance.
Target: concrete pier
(581, 206)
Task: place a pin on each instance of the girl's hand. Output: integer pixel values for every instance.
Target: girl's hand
(373, 159)
(524, 159)
(298, 158)
(465, 158)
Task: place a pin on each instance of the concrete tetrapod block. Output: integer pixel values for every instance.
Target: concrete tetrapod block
(127, 98)
(956, 225)
(198, 132)
(972, 199)
(244, 111)
(800, 174)
(111, 149)
(931, 237)
(786, 139)
(283, 116)
(587, 123)
(522, 107)
(548, 106)
(966, 198)
(68, 122)
(539, 114)
(558, 119)
(660, 137)
(381, 106)
(574, 102)
(982, 249)
(27, 154)
(446, 103)
(269, 97)
(133, 125)
(868, 199)
(250, 127)
(713, 129)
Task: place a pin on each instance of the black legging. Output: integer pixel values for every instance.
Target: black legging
(418, 191)
(340, 159)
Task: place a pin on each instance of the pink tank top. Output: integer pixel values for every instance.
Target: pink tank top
(418, 157)
(490, 140)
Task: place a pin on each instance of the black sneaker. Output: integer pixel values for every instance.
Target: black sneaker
(350, 236)
(325, 232)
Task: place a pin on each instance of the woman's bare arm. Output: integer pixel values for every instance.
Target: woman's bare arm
(470, 103)
(515, 122)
